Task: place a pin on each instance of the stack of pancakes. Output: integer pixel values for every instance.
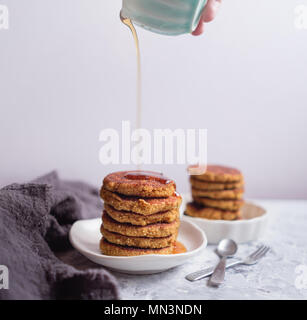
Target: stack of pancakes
(141, 214)
(217, 194)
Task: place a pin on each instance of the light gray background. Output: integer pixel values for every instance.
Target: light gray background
(67, 71)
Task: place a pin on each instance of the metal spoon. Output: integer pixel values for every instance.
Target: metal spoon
(226, 248)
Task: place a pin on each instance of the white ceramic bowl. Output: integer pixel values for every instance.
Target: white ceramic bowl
(85, 236)
(251, 227)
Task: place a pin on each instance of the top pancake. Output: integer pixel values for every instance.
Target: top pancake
(146, 184)
(216, 173)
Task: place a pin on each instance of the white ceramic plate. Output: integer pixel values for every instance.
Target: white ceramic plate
(85, 236)
(251, 227)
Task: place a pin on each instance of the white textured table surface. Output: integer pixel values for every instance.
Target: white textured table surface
(274, 277)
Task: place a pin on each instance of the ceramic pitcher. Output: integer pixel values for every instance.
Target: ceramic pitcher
(169, 17)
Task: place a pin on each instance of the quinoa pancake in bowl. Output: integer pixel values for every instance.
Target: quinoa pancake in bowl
(144, 206)
(139, 219)
(141, 214)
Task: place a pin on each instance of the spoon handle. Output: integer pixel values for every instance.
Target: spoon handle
(218, 275)
(198, 275)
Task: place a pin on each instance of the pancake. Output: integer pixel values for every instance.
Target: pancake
(220, 204)
(146, 184)
(156, 230)
(111, 249)
(221, 194)
(139, 219)
(139, 242)
(145, 206)
(216, 173)
(204, 185)
(195, 210)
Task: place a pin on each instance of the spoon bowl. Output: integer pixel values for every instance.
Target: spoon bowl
(227, 248)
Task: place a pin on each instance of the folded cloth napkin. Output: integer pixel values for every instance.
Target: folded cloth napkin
(35, 219)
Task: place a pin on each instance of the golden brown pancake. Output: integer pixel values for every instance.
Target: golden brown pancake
(111, 249)
(156, 230)
(140, 242)
(204, 185)
(195, 210)
(145, 206)
(220, 204)
(139, 219)
(221, 194)
(216, 173)
(146, 184)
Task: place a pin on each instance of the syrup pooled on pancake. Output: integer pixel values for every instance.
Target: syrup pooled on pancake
(147, 175)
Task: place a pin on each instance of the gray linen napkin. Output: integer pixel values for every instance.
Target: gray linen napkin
(35, 219)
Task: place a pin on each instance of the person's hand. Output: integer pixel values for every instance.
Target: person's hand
(208, 15)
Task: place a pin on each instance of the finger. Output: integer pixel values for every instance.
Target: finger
(199, 29)
(208, 15)
(210, 10)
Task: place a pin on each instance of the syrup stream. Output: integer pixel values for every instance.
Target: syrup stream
(130, 25)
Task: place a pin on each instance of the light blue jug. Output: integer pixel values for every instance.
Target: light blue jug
(169, 17)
